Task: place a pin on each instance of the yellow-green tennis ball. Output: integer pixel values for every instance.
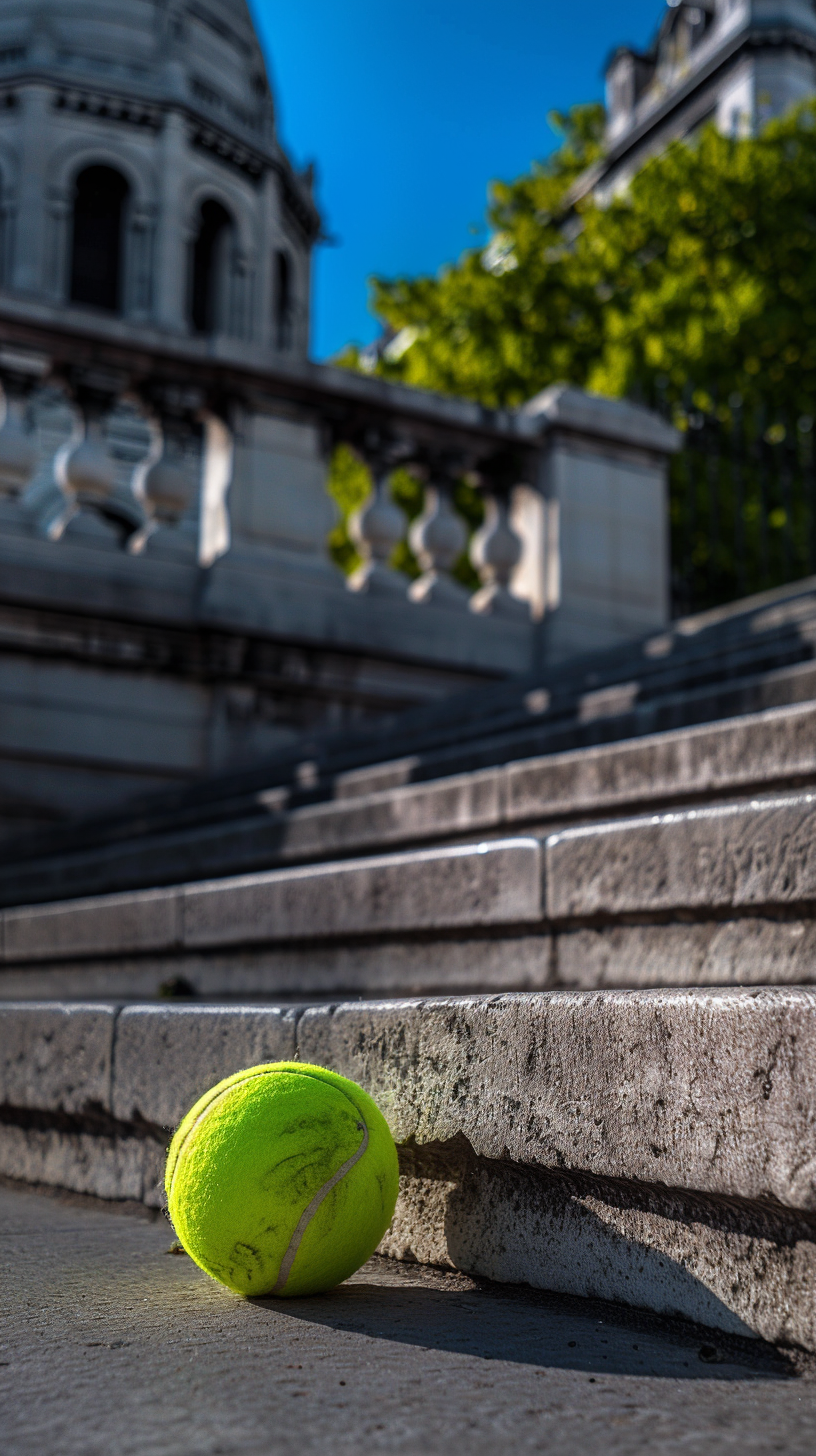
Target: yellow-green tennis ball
(282, 1179)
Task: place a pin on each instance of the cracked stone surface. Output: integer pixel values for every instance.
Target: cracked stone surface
(110, 1347)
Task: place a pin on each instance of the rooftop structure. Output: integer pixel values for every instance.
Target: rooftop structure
(735, 62)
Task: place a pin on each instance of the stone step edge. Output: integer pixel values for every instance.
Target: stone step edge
(655, 1148)
(756, 855)
(771, 749)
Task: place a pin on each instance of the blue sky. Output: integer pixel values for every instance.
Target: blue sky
(409, 109)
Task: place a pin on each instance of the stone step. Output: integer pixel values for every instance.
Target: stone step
(699, 896)
(755, 656)
(654, 1148)
(758, 753)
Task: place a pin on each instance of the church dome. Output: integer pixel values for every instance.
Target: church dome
(203, 51)
(140, 174)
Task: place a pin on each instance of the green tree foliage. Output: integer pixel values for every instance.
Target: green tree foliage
(350, 485)
(704, 270)
(696, 285)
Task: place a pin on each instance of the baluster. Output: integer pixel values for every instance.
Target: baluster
(163, 481)
(46, 502)
(84, 469)
(214, 528)
(438, 537)
(89, 477)
(376, 528)
(495, 551)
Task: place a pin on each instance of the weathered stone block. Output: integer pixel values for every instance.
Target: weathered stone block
(713, 1091)
(459, 804)
(749, 952)
(762, 748)
(653, 1148)
(489, 884)
(748, 1271)
(432, 966)
(140, 920)
(757, 853)
(106, 1167)
(167, 1057)
(56, 1056)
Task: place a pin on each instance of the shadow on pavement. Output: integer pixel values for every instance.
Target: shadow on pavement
(524, 1326)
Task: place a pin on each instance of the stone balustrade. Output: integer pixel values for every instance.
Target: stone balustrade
(156, 478)
(169, 603)
(127, 469)
(127, 449)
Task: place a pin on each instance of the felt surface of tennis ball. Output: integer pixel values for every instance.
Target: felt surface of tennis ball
(282, 1179)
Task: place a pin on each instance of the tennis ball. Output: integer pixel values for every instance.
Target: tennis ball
(282, 1179)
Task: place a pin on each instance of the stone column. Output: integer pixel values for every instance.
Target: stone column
(238, 323)
(267, 227)
(139, 255)
(58, 258)
(30, 253)
(172, 241)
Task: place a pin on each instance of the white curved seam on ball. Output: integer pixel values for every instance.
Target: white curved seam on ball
(311, 1209)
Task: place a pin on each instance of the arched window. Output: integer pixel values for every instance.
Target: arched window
(283, 300)
(210, 269)
(96, 252)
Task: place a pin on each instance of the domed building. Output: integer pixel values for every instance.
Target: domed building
(140, 173)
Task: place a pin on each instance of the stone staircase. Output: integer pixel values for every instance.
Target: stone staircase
(573, 972)
(301, 804)
(712, 895)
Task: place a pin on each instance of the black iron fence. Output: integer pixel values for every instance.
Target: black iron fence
(742, 499)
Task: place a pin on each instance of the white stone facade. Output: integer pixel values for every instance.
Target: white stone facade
(173, 99)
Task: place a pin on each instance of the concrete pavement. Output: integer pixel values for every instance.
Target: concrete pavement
(111, 1346)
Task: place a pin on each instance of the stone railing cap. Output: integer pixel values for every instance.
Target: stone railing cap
(593, 415)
